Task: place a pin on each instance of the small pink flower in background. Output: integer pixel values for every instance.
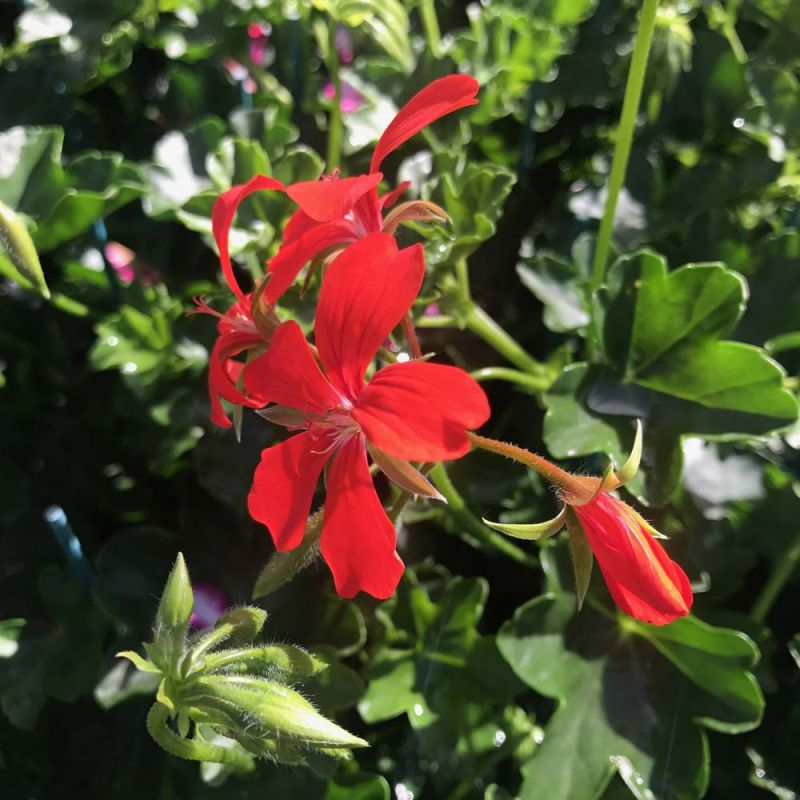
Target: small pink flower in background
(209, 603)
(344, 46)
(128, 266)
(432, 310)
(120, 258)
(241, 74)
(258, 33)
(351, 100)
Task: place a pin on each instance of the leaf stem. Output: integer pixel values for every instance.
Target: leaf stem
(524, 379)
(622, 147)
(335, 122)
(781, 572)
(483, 326)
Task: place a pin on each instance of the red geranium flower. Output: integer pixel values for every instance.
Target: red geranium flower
(413, 411)
(247, 326)
(335, 211)
(641, 578)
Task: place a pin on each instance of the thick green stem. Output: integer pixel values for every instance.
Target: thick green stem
(474, 530)
(781, 573)
(482, 325)
(527, 381)
(335, 121)
(430, 23)
(622, 147)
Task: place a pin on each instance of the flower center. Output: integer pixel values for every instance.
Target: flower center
(334, 428)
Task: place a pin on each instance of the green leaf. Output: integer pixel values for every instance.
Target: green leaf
(677, 351)
(357, 787)
(17, 246)
(555, 284)
(122, 682)
(10, 630)
(62, 201)
(668, 368)
(621, 705)
(474, 198)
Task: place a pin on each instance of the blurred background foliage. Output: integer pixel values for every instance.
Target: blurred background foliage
(121, 121)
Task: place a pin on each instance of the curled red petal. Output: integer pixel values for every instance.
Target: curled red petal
(391, 197)
(367, 290)
(420, 411)
(283, 486)
(437, 99)
(332, 199)
(358, 539)
(298, 224)
(293, 256)
(222, 218)
(288, 375)
(223, 374)
(642, 579)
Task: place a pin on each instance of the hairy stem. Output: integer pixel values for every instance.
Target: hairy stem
(545, 468)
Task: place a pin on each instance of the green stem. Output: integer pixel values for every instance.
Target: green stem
(475, 532)
(524, 379)
(482, 325)
(430, 23)
(335, 121)
(462, 279)
(622, 147)
(781, 573)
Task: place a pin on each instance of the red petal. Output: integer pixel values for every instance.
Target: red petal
(287, 374)
(390, 198)
(223, 373)
(283, 487)
(434, 101)
(358, 540)
(332, 199)
(420, 411)
(298, 224)
(367, 290)
(222, 218)
(640, 576)
(293, 256)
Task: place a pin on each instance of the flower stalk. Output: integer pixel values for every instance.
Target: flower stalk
(624, 139)
(334, 154)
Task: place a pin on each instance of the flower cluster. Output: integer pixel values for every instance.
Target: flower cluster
(406, 412)
(342, 413)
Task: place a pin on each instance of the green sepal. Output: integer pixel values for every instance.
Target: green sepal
(246, 621)
(244, 703)
(582, 558)
(183, 724)
(177, 600)
(17, 245)
(142, 664)
(532, 531)
(162, 696)
(292, 663)
(631, 466)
